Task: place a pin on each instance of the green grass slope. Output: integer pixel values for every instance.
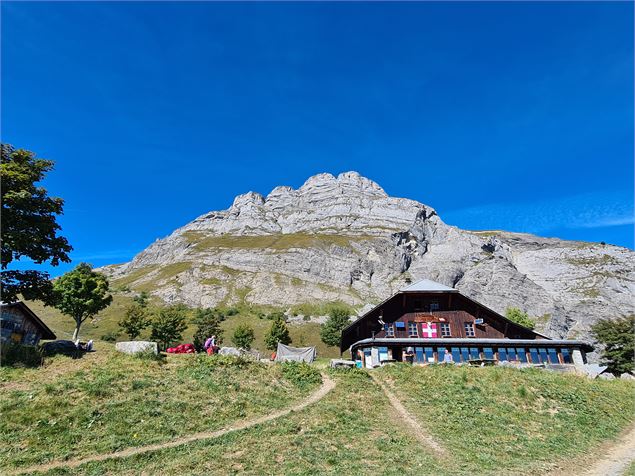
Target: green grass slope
(491, 420)
(302, 334)
(108, 401)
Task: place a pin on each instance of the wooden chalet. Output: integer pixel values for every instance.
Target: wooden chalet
(423, 320)
(21, 325)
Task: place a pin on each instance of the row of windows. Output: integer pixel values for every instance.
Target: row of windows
(428, 329)
(518, 354)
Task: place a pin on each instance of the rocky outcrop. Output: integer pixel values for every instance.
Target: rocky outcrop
(343, 238)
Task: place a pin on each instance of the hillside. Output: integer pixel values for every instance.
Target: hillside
(488, 420)
(343, 238)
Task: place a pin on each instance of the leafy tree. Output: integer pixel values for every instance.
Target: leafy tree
(208, 325)
(141, 299)
(135, 320)
(275, 315)
(243, 337)
(519, 317)
(331, 330)
(168, 325)
(277, 333)
(81, 294)
(618, 338)
(29, 227)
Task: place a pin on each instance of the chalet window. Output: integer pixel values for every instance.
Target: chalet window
(456, 354)
(488, 353)
(465, 354)
(412, 329)
(434, 305)
(429, 354)
(543, 355)
(440, 353)
(566, 356)
(445, 329)
(522, 355)
(535, 358)
(474, 353)
(553, 356)
(390, 330)
(469, 329)
(502, 355)
(419, 354)
(383, 354)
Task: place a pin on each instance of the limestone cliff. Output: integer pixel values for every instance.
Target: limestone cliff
(343, 238)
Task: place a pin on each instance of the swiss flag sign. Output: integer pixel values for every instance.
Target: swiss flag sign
(429, 330)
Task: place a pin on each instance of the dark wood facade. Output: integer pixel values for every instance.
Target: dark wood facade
(447, 307)
(21, 325)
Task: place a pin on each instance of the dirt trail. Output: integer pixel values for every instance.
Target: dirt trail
(422, 435)
(616, 458)
(327, 385)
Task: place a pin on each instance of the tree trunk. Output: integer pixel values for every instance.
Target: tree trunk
(76, 333)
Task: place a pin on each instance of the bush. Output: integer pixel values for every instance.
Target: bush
(243, 337)
(148, 354)
(519, 317)
(17, 355)
(278, 333)
(301, 374)
(331, 330)
(110, 336)
(618, 338)
(208, 325)
(168, 325)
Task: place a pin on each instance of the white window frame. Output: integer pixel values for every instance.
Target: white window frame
(415, 327)
(390, 331)
(469, 328)
(445, 326)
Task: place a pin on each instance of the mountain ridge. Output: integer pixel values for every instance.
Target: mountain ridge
(344, 238)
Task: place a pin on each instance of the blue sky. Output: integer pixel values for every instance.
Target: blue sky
(514, 116)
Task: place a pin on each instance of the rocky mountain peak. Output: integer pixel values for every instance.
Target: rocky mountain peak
(343, 238)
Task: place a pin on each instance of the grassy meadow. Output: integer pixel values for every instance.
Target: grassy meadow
(107, 401)
(302, 334)
(491, 420)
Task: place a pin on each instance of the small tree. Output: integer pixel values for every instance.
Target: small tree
(618, 338)
(243, 337)
(331, 330)
(277, 333)
(168, 325)
(519, 317)
(81, 294)
(141, 299)
(135, 320)
(208, 325)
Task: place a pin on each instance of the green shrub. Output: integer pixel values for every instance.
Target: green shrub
(17, 355)
(110, 336)
(148, 354)
(300, 374)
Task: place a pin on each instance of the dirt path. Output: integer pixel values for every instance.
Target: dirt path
(327, 385)
(419, 432)
(617, 457)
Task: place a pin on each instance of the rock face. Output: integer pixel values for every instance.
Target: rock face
(343, 238)
(136, 346)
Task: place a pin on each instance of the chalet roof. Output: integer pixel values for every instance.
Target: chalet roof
(426, 285)
(47, 333)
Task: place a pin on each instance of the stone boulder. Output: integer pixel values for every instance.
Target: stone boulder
(136, 346)
(627, 376)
